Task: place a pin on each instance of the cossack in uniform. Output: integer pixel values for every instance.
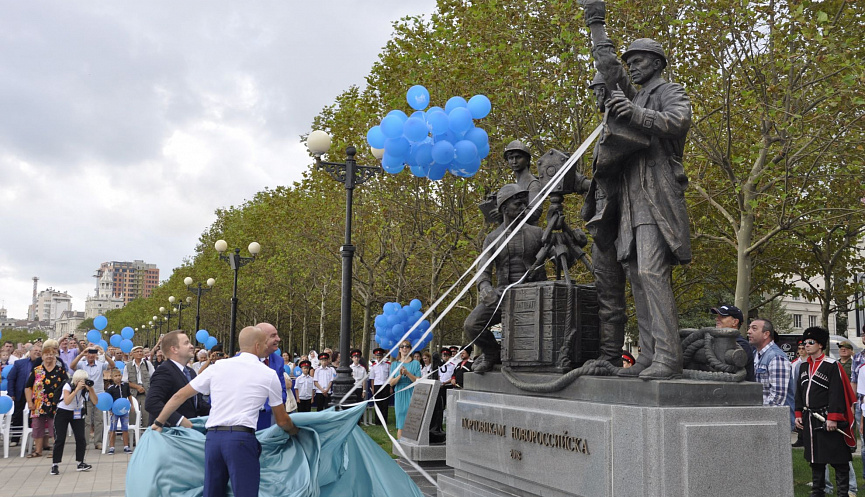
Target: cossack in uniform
(824, 390)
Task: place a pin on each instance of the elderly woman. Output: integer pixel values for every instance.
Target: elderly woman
(42, 392)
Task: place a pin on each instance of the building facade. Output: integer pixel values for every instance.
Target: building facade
(131, 280)
(105, 299)
(50, 304)
(66, 324)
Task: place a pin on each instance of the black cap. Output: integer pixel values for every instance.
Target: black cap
(821, 335)
(324, 355)
(446, 351)
(729, 310)
(305, 363)
(378, 350)
(355, 353)
(626, 356)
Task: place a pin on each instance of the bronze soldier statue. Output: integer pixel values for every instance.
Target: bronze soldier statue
(638, 166)
(510, 265)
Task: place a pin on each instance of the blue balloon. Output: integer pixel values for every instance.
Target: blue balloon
(417, 97)
(484, 151)
(391, 126)
(455, 102)
(119, 365)
(400, 114)
(467, 170)
(397, 147)
(297, 371)
(460, 120)
(5, 403)
(479, 106)
(201, 336)
(279, 352)
(415, 304)
(435, 108)
(100, 322)
(392, 164)
(419, 114)
(93, 336)
(115, 340)
(415, 129)
(103, 344)
(375, 137)
(443, 152)
(126, 345)
(397, 331)
(287, 368)
(423, 154)
(418, 170)
(121, 407)
(210, 343)
(104, 401)
(437, 171)
(6, 370)
(380, 320)
(465, 152)
(127, 332)
(477, 136)
(438, 121)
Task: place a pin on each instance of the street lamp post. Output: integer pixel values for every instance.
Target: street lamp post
(198, 291)
(236, 262)
(166, 313)
(180, 306)
(349, 174)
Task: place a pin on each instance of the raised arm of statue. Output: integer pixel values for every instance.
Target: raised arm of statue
(604, 51)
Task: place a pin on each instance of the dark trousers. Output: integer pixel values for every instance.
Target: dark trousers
(610, 284)
(322, 401)
(382, 400)
(62, 420)
(304, 405)
(477, 326)
(234, 456)
(649, 270)
(18, 416)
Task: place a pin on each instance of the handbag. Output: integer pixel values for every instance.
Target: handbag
(618, 141)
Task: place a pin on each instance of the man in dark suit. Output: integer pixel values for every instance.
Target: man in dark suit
(17, 378)
(172, 375)
(274, 361)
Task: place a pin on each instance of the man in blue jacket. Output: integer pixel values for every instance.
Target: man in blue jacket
(274, 361)
(17, 378)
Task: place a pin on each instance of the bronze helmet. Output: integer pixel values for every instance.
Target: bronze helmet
(508, 191)
(516, 145)
(645, 45)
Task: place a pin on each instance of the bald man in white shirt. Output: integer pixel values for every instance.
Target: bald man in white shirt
(237, 387)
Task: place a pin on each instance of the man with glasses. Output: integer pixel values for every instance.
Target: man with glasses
(823, 412)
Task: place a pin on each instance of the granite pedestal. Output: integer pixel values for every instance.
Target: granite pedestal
(608, 436)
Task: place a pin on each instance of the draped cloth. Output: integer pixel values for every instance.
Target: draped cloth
(330, 456)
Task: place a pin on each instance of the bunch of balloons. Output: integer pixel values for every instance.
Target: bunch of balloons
(395, 320)
(434, 141)
(95, 335)
(123, 340)
(204, 338)
(105, 402)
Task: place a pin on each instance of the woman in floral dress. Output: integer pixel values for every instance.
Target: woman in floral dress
(42, 392)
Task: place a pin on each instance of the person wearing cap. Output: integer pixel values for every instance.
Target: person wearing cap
(845, 356)
(379, 372)
(644, 216)
(238, 387)
(801, 356)
(730, 316)
(446, 375)
(323, 381)
(627, 359)
(511, 265)
(137, 373)
(519, 158)
(358, 372)
(304, 386)
(824, 398)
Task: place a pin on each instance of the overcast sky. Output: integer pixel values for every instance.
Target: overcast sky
(124, 125)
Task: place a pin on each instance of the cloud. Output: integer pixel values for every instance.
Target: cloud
(124, 126)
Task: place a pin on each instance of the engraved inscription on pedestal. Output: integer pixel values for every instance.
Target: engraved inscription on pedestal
(417, 419)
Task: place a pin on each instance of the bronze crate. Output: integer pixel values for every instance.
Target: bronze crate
(536, 320)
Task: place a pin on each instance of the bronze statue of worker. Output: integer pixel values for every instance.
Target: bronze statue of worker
(644, 216)
(519, 159)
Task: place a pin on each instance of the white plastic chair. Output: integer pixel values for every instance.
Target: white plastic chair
(106, 430)
(135, 429)
(26, 431)
(106, 418)
(5, 428)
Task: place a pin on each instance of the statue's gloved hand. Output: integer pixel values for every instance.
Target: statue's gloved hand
(580, 238)
(594, 12)
(619, 104)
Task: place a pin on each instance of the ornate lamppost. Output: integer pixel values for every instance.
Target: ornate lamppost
(198, 291)
(180, 306)
(349, 174)
(166, 313)
(236, 262)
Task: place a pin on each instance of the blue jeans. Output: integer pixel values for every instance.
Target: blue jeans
(231, 455)
(853, 486)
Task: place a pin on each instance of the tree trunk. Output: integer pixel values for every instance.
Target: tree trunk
(744, 265)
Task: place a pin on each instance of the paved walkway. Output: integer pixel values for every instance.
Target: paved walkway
(22, 477)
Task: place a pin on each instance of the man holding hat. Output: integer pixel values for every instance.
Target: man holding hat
(137, 373)
(730, 316)
(824, 398)
(378, 376)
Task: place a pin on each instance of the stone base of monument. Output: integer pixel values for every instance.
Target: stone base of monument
(415, 440)
(677, 438)
(421, 452)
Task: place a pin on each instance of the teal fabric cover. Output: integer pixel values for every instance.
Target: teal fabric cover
(331, 456)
